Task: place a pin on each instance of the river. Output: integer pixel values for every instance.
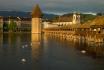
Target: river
(39, 52)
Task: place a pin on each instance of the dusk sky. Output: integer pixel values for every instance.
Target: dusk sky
(54, 6)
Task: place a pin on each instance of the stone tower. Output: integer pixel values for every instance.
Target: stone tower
(36, 20)
(76, 18)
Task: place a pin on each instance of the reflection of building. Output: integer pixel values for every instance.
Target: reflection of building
(36, 20)
(36, 49)
(1, 40)
(36, 38)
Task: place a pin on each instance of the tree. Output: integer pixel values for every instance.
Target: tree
(12, 25)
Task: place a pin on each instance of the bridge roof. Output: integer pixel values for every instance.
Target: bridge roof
(98, 21)
(85, 25)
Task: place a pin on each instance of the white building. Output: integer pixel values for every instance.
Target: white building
(49, 25)
(64, 21)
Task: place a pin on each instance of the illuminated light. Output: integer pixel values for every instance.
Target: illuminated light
(23, 60)
(83, 51)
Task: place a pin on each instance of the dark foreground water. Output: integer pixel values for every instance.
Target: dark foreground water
(35, 52)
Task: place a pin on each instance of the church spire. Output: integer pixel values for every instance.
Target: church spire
(36, 13)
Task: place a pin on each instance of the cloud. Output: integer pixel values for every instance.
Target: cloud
(55, 6)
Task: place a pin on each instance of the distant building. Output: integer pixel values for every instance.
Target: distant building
(65, 21)
(25, 25)
(97, 25)
(15, 24)
(49, 25)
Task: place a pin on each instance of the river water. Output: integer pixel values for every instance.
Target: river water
(40, 52)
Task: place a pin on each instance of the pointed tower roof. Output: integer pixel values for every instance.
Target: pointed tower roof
(36, 11)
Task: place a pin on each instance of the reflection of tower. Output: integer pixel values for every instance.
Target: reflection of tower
(36, 20)
(36, 46)
(36, 38)
(76, 18)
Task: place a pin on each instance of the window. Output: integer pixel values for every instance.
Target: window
(94, 29)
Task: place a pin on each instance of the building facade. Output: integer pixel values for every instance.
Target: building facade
(15, 24)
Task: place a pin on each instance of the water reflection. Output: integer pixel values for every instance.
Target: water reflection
(36, 41)
(94, 49)
(41, 52)
(11, 52)
(1, 40)
(36, 49)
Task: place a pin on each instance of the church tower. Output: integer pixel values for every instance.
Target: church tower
(76, 18)
(36, 20)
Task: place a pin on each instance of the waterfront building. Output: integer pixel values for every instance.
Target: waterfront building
(97, 25)
(25, 24)
(65, 21)
(49, 25)
(15, 24)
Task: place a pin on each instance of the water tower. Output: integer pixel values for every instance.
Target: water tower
(36, 20)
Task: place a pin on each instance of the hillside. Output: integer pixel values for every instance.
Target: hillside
(68, 17)
(24, 14)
